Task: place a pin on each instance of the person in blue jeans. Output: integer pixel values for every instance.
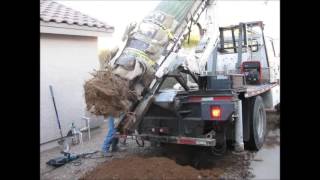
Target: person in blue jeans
(110, 139)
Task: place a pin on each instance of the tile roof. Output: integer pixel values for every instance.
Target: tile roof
(51, 11)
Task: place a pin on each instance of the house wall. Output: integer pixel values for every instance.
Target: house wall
(66, 62)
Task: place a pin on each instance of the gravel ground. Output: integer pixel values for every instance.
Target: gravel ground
(158, 163)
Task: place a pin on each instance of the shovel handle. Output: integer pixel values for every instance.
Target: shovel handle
(55, 109)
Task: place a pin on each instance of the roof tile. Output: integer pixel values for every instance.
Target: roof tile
(51, 11)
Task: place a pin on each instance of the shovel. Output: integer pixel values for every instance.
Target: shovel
(61, 141)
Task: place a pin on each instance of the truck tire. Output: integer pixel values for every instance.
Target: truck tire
(258, 124)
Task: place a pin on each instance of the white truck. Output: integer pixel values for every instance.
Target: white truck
(236, 81)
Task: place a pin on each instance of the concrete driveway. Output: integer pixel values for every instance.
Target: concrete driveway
(266, 163)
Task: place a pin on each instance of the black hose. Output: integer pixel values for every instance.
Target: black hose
(78, 161)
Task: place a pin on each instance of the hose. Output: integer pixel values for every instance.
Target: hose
(78, 161)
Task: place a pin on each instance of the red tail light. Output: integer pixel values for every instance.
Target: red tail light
(186, 141)
(215, 112)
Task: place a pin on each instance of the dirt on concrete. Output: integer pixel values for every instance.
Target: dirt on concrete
(107, 94)
(272, 140)
(273, 131)
(273, 121)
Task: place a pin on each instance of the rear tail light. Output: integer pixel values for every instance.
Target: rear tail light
(186, 141)
(215, 112)
(192, 141)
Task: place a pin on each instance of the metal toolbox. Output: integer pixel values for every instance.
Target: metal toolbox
(220, 82)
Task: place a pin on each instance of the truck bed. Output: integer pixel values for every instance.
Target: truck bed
(253, 90)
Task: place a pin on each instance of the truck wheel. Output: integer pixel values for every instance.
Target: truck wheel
(258, 125)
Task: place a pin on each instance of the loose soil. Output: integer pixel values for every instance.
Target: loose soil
(191, 163)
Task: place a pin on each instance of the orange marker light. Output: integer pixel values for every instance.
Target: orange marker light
(215, 112)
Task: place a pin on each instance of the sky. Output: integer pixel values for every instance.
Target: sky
(120, 13)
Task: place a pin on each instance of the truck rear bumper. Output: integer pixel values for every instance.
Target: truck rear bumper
(180, 140)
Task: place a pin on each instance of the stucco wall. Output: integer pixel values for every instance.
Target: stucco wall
(65, 64)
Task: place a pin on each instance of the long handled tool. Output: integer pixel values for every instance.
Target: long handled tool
(62, 140)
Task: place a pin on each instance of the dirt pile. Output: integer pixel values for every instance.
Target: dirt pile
(107, 94)
(229, 166)
(148, 168)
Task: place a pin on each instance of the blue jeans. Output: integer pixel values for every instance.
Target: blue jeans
(111, 132)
